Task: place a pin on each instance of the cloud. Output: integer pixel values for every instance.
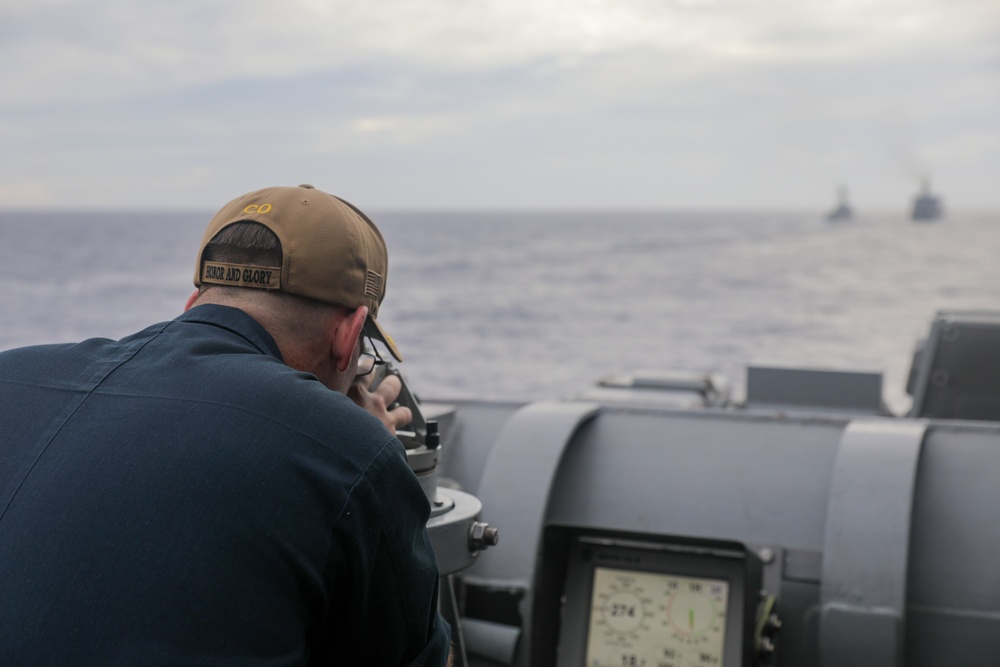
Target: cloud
(518, 98)
(58, 50)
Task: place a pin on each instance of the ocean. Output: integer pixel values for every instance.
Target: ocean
(540, 305)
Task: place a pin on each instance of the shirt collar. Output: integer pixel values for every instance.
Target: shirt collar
(236, 321)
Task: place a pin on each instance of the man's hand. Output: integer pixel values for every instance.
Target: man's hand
(377, 402)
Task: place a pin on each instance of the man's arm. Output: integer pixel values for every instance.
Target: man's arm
(383, 577)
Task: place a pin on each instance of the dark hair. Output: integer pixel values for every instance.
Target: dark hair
(244, 242)
(251, 243)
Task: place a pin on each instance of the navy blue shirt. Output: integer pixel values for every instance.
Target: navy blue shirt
(182, 497)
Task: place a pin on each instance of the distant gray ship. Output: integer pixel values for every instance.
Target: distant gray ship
(926, 206)
(843, 210)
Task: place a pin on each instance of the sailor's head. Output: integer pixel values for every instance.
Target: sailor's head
(314, 245)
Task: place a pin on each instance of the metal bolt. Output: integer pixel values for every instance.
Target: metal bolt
(482, 535)
(773, 625)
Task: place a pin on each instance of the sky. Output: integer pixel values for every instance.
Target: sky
(500, 104)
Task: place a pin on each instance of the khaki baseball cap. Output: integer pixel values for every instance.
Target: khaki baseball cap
(330, 251)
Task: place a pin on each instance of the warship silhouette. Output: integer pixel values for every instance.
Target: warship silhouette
(926, 206)
(843, 211)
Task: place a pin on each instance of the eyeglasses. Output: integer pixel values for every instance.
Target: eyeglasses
(369, 358)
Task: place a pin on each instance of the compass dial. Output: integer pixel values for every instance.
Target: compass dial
(623, 611)
(692, 613)
(650, 619)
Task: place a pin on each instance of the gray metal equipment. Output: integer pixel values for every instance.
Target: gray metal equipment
(956, 371)
(455, 530)
(815, 531)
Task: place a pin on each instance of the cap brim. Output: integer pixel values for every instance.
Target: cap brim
(374, 330)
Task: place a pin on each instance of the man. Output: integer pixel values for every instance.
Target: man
(195, 494)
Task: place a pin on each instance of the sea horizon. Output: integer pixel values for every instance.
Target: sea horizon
(526, 305)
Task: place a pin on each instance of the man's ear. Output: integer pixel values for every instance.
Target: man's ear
(345, 336)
